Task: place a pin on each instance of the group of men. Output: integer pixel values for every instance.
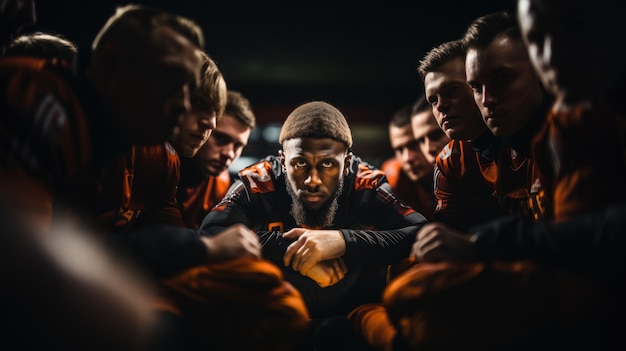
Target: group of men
(524, 251)
(493, 228)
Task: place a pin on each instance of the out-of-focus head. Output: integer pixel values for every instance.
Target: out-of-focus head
(45, 45)
(229, 137)
(145, 65)
(316, 141)
(443, 71)
(15, 15)
(426, 131)
(506, 87)
(207, 104)
(572, 44)
(406, 149)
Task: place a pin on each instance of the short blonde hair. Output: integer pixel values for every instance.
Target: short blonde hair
(212, 92)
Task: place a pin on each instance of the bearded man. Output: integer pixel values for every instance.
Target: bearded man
(328, 219)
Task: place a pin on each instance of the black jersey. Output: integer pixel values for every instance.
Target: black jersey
(377, 226)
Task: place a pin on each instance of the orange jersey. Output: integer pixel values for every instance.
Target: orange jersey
(196, 201)
(517, 185)
(140, 187)
(582, 158)
(418, 195)
(44, 139)
(465, 196)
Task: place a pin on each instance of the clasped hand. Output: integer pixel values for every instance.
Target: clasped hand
(316, 254)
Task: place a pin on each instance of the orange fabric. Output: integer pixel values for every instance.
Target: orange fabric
(141, 183)
(582, 158)
(373, 325)
(443, 306)
(44, 141)
(367, 178)
(464, 188)
(419, 195)
(242, 304)
(392, 168)
(196, 202)
(516, 183)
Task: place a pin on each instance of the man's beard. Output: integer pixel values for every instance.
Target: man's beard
(320, 218)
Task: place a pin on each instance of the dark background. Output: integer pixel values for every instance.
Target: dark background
(359, 56)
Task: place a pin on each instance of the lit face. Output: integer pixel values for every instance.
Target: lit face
(407, 151)
(224, 146)
(569, 43)
(314, 168)
(505, 85)
(539, 40)
(452, 100)
(429, 136)
(15, 15)
(194, 130)
(152, 87)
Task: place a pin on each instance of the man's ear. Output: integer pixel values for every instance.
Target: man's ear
(281, 154)
(346, 163)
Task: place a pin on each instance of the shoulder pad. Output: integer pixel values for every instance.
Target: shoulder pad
(258, 177)
(367, 177)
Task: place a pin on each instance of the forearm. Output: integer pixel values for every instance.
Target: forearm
(162, 251)
(378, 247)
(593, 239)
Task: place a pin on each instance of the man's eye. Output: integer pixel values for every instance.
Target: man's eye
(299, 164)
(327, 164)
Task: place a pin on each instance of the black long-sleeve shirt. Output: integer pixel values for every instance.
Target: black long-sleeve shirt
(378, 228)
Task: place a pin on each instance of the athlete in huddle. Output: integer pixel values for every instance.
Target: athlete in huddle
(330, 220)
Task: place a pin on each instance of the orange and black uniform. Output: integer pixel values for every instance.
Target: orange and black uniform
(569, 264)
(148, 224)
(581, 162)
(582, 159)
(517, 184)
(140, 189)
(378, 229)
(418, 195)
(197, 194)
(509, 172)
(479, 181)
(464, 197)
(54, 139)
(581, 154)
(56, 148)
(137, 209)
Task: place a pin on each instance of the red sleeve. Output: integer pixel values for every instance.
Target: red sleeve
(464, 197)
(196, 202)
(142, 188)
(392, 168)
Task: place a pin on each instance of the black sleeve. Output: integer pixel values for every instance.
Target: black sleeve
(237, 207)
(394, 225)
(162, 251)
(592, 240)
